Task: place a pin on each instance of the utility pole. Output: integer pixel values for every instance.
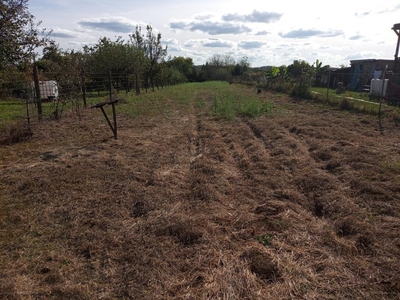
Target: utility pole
(396, 29)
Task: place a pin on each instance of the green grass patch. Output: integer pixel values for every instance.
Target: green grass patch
(393, 166)
(229, 103)
(221, 99)
(228, 106)
(347, 94)
(11, 111)
(265, 239)
(346, 101)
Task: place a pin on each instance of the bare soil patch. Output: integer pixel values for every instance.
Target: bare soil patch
(301, 203)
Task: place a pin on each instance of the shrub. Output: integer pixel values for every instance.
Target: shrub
(302, 87)
(346, 104)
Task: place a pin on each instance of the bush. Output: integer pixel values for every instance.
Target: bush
(301, 90)
(302, 87)
(346, 104)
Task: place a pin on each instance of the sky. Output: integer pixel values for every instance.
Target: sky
(268, 33)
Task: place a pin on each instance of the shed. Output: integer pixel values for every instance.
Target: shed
(364, 70)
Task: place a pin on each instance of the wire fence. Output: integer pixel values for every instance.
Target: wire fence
(41, 95)
(34, 96)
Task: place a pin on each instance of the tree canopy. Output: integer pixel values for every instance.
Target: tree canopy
(19, 36)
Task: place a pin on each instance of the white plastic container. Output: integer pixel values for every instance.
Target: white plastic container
(376, 87)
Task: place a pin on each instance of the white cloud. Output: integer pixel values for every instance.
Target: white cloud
(255, 17)
(112, 24)
(210, 27)
(289, 32)
(251, 44)
(306, 33)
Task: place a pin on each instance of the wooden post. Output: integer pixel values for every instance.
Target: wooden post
(115, 119)
(126, 82)
(83, 82)
(27, 114)
(109, 82)
(101, 106)
(396, 29)
(37, 90)
(329, 82)
(380, 103)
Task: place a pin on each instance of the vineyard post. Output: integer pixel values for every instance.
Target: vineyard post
(382, 97)
(37, 90)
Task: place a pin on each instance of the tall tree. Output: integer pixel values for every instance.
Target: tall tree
(136, 54)
(19, 36)
(155, 53)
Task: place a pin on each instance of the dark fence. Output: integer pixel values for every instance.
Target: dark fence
(386, 84)
(39, 95)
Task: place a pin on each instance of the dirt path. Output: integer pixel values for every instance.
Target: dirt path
(299, 204)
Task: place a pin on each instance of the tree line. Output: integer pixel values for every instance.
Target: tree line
(139, 63)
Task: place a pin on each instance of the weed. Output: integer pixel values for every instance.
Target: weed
(228, 106)
(393, 166)
(265, 239)
(223, 106)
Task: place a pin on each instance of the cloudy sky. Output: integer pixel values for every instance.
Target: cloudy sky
(267, 32)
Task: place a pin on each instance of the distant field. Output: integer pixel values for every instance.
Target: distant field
(211, 191)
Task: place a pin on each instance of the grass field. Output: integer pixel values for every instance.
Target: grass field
(211, 191)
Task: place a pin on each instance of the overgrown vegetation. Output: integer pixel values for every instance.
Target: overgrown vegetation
(228, 105)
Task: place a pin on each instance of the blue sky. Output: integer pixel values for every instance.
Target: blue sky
(267, 32)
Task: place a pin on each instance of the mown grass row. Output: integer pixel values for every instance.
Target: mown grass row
(221, 99)
(227, 101)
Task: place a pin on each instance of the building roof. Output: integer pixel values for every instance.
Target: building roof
(371, 60)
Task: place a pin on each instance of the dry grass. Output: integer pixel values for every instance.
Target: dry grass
(298, 204)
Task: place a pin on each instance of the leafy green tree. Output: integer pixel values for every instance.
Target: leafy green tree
(52, 59)
(241, 66)
(277, 78)
(63, 66)
(137, 57)
(276, 74)
(184, 65)
(19, 36)
(108, 60)
(220, 67)
(298, 68)
(319, 70)
(303, 75)
(155, 54)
